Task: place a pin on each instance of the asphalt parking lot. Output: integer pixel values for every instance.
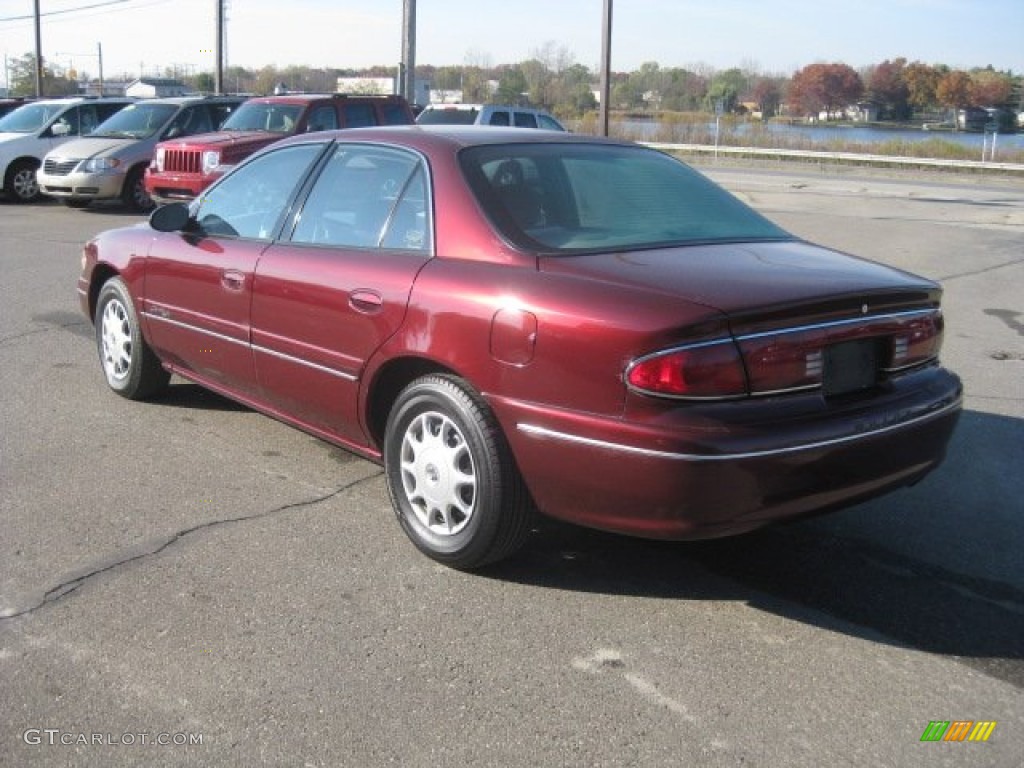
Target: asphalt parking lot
(186, 582)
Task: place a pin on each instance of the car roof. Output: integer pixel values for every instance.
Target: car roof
(305, 98)
(455, 137)
(177, 100)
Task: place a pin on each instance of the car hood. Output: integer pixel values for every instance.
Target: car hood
(755, 280)
(85, 148)
(222, 139)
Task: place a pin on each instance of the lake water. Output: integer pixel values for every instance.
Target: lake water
(824, 134)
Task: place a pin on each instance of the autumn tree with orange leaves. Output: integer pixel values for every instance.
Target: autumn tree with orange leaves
(824, 88)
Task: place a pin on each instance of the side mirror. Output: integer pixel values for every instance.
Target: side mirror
(173, 217)
(61, 129)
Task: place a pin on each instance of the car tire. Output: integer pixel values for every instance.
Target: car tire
(130, 366)
(20, 183)
(75, 202)
(134, 194)
(453, 483)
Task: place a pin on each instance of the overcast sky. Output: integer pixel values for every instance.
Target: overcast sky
(773, 36)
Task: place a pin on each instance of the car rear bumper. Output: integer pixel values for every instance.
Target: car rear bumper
(686, 477)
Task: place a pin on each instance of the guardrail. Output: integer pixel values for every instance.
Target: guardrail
(839, 157)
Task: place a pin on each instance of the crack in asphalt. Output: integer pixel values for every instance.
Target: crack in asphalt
(74, 581)
(4, 340)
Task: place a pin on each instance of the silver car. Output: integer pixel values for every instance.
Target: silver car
(110, 163)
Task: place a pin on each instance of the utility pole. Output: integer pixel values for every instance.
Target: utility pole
(99, 55)
(218, 76)
(606, 67)
(39, 55)
(407, 73)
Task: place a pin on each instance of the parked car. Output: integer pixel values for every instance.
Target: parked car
(35, 128)
(488, 114)
(110, 163)
(181, 169)
(515, 320)
(11, 104)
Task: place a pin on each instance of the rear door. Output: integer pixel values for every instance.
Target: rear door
(327, 296)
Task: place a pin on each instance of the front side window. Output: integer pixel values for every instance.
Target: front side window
(367, 197)
(251, 201)
(526, 120)
(590, 197)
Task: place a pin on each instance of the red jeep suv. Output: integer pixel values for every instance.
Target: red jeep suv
(183, 168)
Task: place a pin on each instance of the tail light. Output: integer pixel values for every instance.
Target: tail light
(708, 371)
(790, 360)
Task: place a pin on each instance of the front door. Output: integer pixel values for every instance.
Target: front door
(198, 285)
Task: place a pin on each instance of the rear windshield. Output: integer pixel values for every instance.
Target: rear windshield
(592, 197)
(274, 118)
(450, 116)
(136, 121)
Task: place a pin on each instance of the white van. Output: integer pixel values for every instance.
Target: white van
(30, 131)
(488, 114)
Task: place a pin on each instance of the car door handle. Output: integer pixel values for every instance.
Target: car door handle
(232, 279)
(365, 300)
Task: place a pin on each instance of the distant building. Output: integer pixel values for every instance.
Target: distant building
(863, 112)
(382, 86)
(155, 87)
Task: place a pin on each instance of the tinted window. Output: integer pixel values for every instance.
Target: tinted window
(366, 197)
(322, 118)
(448, 116)
(359, 115)
(191, 120)
(250, 202)
(549, 123)
(395, 114)
(499, 118)
(525, 120)
(586, 197)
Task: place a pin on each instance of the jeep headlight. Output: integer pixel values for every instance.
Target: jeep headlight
(100, 164)
(211, 159)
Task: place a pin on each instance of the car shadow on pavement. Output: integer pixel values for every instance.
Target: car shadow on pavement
(185, 394)
(907, 580)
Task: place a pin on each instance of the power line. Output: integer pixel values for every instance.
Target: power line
(66, 10)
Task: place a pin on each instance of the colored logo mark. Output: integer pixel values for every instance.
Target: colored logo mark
(958, 730)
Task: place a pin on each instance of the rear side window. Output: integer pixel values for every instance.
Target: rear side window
(499, 118)
(359, 115)
(322, 118)
(367, 197)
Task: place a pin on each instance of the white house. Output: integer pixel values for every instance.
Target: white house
(155, 87)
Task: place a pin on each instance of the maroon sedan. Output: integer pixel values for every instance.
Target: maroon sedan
(514, 321)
